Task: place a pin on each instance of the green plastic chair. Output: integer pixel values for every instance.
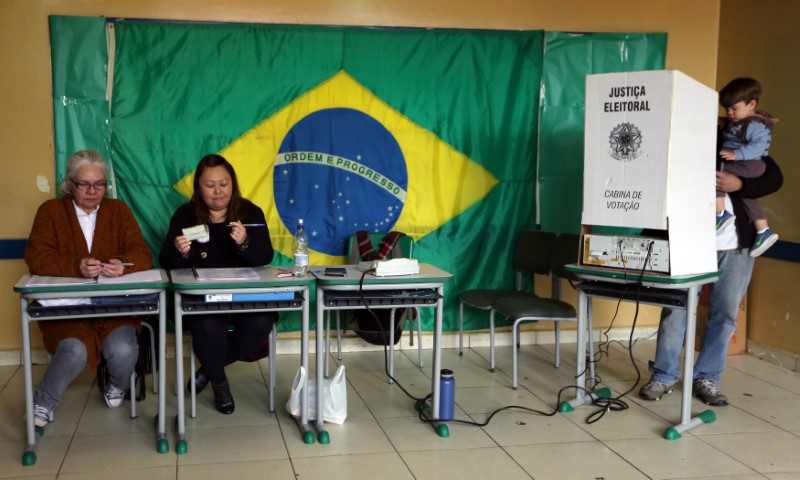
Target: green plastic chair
(532, 255)
(533, 309)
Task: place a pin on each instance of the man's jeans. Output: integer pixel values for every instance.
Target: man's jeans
(736, 268)
(120, 350)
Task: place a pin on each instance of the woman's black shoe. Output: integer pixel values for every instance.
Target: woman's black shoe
(223, 399)
(200, 381)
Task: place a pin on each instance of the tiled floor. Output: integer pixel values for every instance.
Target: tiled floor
(756, 437)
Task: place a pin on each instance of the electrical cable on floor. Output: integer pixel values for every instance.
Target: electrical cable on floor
(430, 395)
(604, 405)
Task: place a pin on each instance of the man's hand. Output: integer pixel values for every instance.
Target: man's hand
(728, 182)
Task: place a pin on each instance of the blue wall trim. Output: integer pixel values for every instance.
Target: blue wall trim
(782, 250)
(12, 249)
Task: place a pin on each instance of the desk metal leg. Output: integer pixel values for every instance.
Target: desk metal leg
(584, 326)
(708, 416)
(181, 446)
(308, 435)
(441, 428)
(391, 345)
(162, 444)
(29, 457)
(322, 435)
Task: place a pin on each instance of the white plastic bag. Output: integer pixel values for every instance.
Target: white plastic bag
(335, 410)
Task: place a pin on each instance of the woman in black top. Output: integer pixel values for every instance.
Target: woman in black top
(217, 203)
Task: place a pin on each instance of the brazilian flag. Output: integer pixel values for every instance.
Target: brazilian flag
(433, 133)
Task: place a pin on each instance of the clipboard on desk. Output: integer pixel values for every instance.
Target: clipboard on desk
(225, 274)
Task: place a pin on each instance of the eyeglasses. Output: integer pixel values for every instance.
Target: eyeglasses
(86, 185)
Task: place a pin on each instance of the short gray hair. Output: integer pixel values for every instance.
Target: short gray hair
(77, 161)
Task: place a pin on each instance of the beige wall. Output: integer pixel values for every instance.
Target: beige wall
(26, 130)
(761, 40)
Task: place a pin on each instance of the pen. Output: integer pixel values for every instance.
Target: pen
(254, 224)
(194, 272)
(103, 264)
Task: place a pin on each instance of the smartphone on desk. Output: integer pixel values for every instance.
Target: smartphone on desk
(335, 271)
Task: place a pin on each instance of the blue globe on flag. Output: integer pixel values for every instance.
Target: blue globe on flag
(341, 171)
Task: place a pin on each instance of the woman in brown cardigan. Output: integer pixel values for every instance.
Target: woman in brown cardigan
(85, 234)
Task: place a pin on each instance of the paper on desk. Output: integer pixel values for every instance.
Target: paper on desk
(242, 273)
(61, 302)
(137, 277)
(45, 281)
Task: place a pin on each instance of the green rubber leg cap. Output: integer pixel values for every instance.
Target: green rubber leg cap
(181, 447)
(308, 437)
(420, 406)
(443, 430)
(28, 459)
(324, 438)
(708, 416)
(39, 431)
(162, 446)
(672, 434)
(602, 393)
(565, 407)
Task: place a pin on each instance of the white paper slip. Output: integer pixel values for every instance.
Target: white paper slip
(219, 297)
(241, 273)
(46, 281)
(198, 232)
(63, 302)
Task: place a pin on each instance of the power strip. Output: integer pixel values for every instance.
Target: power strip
(626, 252)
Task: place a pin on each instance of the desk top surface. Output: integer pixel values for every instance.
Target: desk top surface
(22, 287)
(427, 274)
(184, 279)
(590, 273)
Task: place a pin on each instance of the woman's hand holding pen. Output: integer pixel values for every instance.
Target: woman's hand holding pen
(183, 245)
(238, 232)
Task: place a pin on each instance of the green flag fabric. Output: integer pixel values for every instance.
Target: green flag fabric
(570, 57)
(428, 132)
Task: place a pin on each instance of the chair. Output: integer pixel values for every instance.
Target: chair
(532, 255)
(532, 309)
(404, 248)
(272, 366)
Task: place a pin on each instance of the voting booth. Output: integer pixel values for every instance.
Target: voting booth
(649, 163)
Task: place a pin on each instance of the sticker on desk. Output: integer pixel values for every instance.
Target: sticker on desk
(198, 232)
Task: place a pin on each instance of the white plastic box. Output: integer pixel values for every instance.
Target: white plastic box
(649, 161)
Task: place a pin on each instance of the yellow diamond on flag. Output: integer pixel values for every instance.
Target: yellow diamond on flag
(442, 182)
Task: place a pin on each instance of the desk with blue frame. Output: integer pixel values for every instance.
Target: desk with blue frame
(187, 287)
(679, 292)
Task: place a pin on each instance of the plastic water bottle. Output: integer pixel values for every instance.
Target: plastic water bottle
(447, 395)
(300, 251)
